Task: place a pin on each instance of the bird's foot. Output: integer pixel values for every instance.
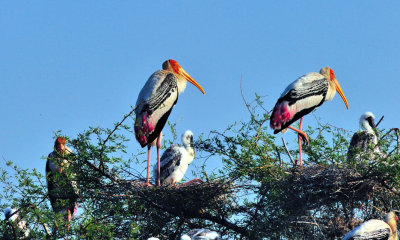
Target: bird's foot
(148, 184)
(302, 134)
(304, 137)
(191, 182)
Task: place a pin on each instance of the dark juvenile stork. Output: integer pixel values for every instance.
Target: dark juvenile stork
(375, 229)
(12, 215)
(201, 234)
(301, 97)
(175, 160)
(63, 192)
(363, 143)
(155, 103)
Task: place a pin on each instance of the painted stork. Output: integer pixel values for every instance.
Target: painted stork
(155, 103)
(12, 215)
(200, 234)
(63, 193)
(175, 160)
(375, 229)
(301, 97)
(365, 142)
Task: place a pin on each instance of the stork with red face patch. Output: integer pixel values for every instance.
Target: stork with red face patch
(155, 103)
(63, 192)
(303, 96)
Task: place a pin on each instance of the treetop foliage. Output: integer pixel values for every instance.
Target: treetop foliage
(259, 192)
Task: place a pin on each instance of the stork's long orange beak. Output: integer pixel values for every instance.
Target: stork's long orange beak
(190, 79)
(61, 168)
(339, 90)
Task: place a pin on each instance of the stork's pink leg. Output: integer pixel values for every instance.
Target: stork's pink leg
(300, 139)
(158, 160)
(193, 181)
(148, 166)
(303, 134)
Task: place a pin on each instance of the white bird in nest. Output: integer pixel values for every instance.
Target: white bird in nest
(375, 229)
(175, 161)
(364, 142)
(200, 234)
(13, 216)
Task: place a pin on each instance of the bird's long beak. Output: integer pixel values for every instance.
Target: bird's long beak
(61, 168)
(190, 79)
(339, 90)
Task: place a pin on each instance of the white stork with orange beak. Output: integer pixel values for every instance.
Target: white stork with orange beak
(155, 103)
(303, 96)
(63, 192)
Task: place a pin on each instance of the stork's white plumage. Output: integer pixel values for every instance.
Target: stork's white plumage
(63, 192)
(375, 229)
(176, 159)
(303, 96)
(12, 215)
(155, 103)
(364, 142)
(200, 234)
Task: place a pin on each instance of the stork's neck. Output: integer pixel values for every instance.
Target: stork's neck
(366, 127)
(331, 91)
(181, 81)
(190, 151)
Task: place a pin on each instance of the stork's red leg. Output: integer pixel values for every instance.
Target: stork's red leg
(158, 160)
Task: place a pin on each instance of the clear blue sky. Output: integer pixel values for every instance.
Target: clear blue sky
(67, 65)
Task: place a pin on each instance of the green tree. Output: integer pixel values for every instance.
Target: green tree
(258, 193)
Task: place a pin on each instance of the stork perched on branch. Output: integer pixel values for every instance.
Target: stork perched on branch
(200, 234)
(63, 192)
(301, 97)
(375, 229)
(365, 141)
(155, 103)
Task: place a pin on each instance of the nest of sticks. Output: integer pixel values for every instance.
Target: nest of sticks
(316, 186)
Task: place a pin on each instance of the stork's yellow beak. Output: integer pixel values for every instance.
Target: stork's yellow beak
(339, 90)
(190, 79)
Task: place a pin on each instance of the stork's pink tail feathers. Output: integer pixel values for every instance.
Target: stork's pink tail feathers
(281, 114)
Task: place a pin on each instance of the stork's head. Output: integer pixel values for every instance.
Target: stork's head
(7, 213)
(173, 66)
(367, 122)
(330, 75)
(187, 138)
(59, 145)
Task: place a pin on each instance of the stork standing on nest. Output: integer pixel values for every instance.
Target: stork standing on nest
(13, 216)
(175, 161)
(375, 229)
(301, 97)
(155, 103)
(365, 141)
(63, 192)
(200, 234)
